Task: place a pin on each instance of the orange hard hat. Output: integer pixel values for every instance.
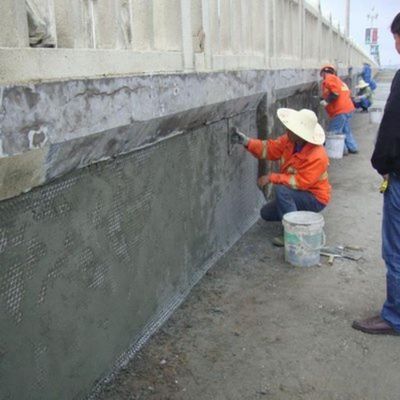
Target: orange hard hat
(328, 68)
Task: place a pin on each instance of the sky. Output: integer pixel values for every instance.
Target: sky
(386, 9)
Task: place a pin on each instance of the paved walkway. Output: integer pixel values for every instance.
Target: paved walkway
(257, 328)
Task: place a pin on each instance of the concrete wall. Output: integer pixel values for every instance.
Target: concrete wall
(94, 261)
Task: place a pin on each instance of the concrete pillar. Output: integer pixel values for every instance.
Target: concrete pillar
(225, 25)
(206, 25)
(105, 15)
(214, 17)
(319, 34)
(167, 25)
(236, 26)
(14, 24)
(74, 24)
(268, 32)
(258, 26)
(302, 30)
(274, 30)
(187, 35)
(142, 25)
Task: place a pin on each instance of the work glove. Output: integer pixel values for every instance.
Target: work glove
(239, 137)
(323, 103)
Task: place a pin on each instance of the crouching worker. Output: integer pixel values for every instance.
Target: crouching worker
(302, 182)
(363, 98)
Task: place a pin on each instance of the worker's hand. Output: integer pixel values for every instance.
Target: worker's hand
(263, 181)
(323, 103)
(239, 137)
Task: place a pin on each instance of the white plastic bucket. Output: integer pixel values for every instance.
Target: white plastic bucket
(375, 115)
(334, 145)
(304, 238)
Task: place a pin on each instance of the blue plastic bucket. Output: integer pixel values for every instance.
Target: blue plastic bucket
(304, 237)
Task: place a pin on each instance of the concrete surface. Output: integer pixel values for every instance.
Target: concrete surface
(66, 126)
(257, 328)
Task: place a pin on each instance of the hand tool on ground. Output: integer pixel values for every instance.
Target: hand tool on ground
(341, 251)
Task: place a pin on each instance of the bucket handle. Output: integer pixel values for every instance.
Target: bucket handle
(308, 247)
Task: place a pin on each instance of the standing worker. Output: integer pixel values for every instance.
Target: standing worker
(386, 160)
(339, 106)
(302, 182)
(366, 75)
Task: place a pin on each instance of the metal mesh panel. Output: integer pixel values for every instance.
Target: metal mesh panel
(93, 263)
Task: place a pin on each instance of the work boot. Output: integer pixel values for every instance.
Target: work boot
(374, 326)
(278, 241)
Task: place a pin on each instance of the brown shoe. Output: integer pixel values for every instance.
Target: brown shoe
(375, 326)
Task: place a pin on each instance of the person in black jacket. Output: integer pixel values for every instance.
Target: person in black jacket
(386, 160)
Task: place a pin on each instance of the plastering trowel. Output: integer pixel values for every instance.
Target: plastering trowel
(350, 252)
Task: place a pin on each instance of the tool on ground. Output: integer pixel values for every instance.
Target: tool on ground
(346, 251)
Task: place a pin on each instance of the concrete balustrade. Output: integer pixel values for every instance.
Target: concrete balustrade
(188, 35)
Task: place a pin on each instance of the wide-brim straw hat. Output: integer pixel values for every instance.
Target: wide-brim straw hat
(303, 123)
(362, 84)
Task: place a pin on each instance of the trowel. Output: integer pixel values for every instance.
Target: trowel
(341, 251)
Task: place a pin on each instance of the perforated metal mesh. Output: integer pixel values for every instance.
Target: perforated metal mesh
(90, 265)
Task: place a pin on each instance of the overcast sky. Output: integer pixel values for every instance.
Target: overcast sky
(387, 10)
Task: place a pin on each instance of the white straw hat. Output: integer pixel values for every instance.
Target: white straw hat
(303, 123)
(362, 84)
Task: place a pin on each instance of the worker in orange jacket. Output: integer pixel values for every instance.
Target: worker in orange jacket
(336, 98)
(302, 181)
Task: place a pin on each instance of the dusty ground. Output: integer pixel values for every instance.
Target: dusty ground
(257, 328)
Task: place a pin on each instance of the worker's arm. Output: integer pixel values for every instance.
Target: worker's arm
(261, 149)
(308, 174)
(271, 149)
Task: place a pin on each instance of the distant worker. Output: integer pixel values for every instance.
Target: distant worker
(386, 160)
(363, 98)
(302, 182)
(366, 75)
(336, 98)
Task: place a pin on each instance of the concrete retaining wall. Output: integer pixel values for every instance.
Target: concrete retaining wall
(99, 255)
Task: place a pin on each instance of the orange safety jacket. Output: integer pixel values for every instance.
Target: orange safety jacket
(305, 170)
(343, 104)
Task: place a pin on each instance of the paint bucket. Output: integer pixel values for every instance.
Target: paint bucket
(334, 145)
(375, 115)
(304, 237)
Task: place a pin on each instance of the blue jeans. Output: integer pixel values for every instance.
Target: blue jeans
(391, 251)
(341, 125)
(363, 103)
(287, 200)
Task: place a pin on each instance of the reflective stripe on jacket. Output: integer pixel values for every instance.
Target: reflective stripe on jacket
(304, 170)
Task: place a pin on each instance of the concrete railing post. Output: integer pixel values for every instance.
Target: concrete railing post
(267, 33)
(14, 24)
(302, 32)
(74, 24)
(166, 27)
(187, 40)
(206, 23)
(142, 25)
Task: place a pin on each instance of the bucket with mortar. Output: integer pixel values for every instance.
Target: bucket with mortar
(304, 237)
(334, 145)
